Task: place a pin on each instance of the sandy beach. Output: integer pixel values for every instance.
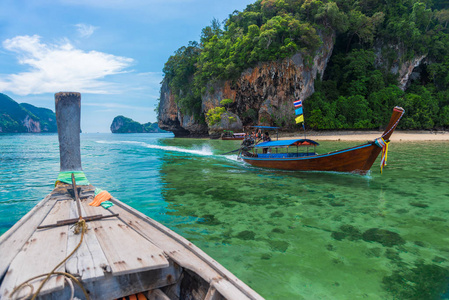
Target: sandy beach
(398, 136)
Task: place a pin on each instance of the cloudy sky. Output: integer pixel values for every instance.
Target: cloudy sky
(111, 51)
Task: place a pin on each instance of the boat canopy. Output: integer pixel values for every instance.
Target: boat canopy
(287, 143)
(266, 127)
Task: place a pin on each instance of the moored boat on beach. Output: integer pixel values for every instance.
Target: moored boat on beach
(358, 159)
(231, 136)
(67, 246)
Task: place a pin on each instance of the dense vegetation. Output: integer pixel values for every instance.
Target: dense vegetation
(122, 124)
(13, 116)
(356, 92)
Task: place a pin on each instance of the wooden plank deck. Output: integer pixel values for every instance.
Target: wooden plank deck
(126, 250)
(89, 262)
(40, 254)
(13, 240)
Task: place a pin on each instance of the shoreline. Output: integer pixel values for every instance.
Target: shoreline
(398, 136)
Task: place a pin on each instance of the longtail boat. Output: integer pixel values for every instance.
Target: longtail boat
(231, 136)
(358, 159)
(73, 245)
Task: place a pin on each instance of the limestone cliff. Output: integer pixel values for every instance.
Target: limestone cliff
(262, 95)
(403, 68)
(15, 117)
(171, 119)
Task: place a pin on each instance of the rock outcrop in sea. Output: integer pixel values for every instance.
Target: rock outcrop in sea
(122, 124)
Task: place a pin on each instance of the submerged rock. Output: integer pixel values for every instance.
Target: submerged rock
(277, 214)
(420, 205)
(278, 230)
(209, 220)
(347, 231)
(280, 246)
(246, 235)
(422, 282)
(266, 256)
(385, 237)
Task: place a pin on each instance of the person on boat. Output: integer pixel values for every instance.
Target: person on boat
(266, 138)
(258, 136)
(247, 142)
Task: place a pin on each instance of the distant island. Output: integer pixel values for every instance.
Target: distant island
(24, 117)
(122, 124)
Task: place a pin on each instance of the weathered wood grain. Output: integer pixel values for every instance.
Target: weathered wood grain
(212, 294)
(40, 254)
(156, 294)
(125, 249)
(13, 240)
(89, 261)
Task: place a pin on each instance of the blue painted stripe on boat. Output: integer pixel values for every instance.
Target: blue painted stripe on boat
(309, 157)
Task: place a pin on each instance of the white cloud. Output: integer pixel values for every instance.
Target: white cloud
(115, 106)
(57, 67)
(85, 30)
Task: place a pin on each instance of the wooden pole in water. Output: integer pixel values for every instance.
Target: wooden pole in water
(68, 117)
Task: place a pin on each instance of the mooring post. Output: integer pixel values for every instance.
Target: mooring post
(68, 116)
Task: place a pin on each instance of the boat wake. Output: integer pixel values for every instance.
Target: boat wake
(233, 157)
(204, 151)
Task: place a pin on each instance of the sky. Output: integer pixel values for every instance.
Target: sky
(111, 51)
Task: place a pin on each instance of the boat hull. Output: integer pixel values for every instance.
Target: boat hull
(232, 138)
(355, 160)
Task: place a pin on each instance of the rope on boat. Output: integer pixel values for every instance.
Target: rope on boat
(80, 226)
(384, 145)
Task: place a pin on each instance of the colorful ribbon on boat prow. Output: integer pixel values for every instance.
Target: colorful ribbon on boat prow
(101, 198)
(384, 145)
(66, 177)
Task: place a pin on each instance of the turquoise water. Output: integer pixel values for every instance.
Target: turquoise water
(288, 235)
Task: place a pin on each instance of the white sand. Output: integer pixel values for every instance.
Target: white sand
(404, 136)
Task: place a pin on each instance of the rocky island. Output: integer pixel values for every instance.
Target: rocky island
(24, 117)
(122, 124)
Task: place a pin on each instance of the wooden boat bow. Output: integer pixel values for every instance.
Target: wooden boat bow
(396, 116)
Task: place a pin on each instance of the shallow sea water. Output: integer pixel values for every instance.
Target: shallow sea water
(288, 235)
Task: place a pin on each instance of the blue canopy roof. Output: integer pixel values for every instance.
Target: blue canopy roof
(285, 143)
(266, 127)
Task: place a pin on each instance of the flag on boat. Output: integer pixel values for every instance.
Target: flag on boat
(298, 111)
(299, 119)
(297, 103)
